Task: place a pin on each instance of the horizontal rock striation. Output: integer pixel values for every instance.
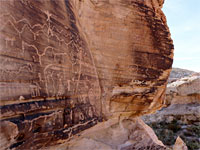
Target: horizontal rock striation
(49, 86)
(67, 65)
(132, 50)
(126, 134)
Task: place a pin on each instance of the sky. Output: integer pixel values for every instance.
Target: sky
(183, 19)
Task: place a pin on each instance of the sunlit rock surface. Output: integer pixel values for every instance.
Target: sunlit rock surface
(8, 134)
(132, 54)
(114, 134)
(185, 90)
(67, 65)
(180, 145)
(181, 117)
(177, 73)
(183, 101)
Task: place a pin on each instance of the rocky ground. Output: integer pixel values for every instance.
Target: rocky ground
(182, 116)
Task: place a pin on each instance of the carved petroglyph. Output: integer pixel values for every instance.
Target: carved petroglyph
(55, 62)
(35, 90)
(64, 67)
(46, 73)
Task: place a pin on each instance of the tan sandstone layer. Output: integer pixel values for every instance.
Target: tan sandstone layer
(185, 90)
(179, 145)
(67, 65)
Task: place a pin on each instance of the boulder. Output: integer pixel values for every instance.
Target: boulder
(68, 65)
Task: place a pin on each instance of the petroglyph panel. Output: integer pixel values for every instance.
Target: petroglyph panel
(41, 49)
(66, 64)
(48, 81)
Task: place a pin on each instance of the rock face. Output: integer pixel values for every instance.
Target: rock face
(182, 116)
(67, 65)
(185, 113)
(124, 134)
(8, 133)
(183, 101)
(178, 73)
(179, 145)
(183, 91)
(130, 62)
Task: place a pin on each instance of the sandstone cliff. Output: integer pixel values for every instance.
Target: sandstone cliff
(67, 65)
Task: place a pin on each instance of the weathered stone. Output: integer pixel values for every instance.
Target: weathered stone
(183, 101)
(179, 145)
(132, 50)
(183, 91)
(178, 73)
(67, 65)
(126, 134)
(184, 113)
(8, 134)
(181, 117)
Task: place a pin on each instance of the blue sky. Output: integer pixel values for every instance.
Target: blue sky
(183, 18)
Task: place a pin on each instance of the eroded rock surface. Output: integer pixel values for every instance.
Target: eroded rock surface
(67, 65)
(179, 145)
(185, 90)
(183, 100)
(114, 134)
(178, 73)
(132, 54)
(8, 134)
(182, 116)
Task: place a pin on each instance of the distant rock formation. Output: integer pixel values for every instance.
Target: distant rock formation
(178, 73)
(183, 91)
(182, 116)
(67, 65)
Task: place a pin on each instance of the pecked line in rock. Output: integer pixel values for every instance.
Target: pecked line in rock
(68, 65)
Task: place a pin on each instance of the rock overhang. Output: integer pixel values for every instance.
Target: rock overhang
(67, 65)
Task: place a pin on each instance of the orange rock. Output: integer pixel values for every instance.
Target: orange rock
(67, 65)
